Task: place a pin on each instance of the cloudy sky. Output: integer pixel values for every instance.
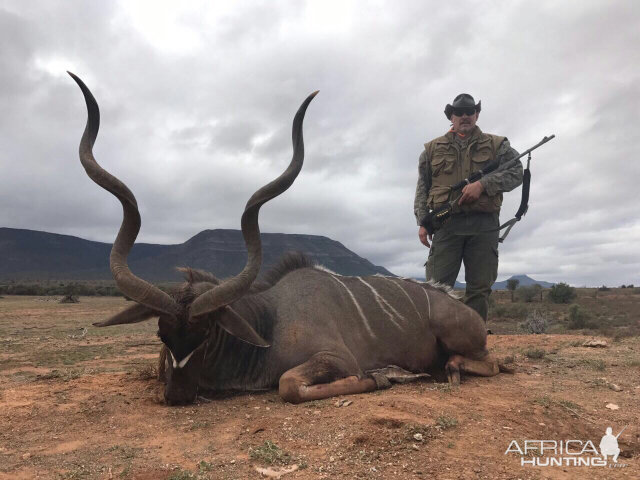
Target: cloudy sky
(197, 100)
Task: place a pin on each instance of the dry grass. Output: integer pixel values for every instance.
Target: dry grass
(614, 313)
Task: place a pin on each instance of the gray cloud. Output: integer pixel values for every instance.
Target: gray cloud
(197, 103)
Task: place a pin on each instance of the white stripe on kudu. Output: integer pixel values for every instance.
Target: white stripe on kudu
(428, 301)
(399, 285)
(182, 362)
(355, 302)
(380, 301)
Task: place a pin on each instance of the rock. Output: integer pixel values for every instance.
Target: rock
(273, 472)
(615, 388)
(414, 446)
(612, 406)
(595, 344)
(418, 437)
(343, 403)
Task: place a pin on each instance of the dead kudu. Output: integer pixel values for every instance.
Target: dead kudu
(313, 333)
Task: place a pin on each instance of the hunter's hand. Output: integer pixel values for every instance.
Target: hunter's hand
(471, 193)
(425, 238)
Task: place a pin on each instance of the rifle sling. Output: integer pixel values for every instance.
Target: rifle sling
(522, 210)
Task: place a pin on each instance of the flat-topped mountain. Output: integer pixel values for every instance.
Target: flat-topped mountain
(32, 255)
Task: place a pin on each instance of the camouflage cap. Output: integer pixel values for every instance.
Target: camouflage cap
(464, 100)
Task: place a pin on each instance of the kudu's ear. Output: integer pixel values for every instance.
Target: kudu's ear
(233, 323)
(134, 314)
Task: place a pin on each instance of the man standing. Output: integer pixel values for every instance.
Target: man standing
(471, 234)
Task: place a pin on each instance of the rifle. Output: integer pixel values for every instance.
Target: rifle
(621, 432)
(435, 219)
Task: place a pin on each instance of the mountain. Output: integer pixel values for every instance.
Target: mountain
(31, 255)
(524, 280)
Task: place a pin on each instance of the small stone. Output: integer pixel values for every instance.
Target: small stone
(615, 388)
(418, 437)
(414, 446)
(507, 428)
(26, 456)
(612, 406)
(332, 459)
(595, 344)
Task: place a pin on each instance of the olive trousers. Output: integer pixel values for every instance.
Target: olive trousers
(479, 253)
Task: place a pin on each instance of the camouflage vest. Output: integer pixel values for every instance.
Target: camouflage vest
(451, 163)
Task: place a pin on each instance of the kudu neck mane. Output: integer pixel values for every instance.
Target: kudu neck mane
(250, 373)
(232, 364)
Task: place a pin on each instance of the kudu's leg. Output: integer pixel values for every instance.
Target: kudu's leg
(324, 375)
(488, 367)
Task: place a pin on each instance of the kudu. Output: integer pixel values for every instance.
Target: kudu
(314, 333)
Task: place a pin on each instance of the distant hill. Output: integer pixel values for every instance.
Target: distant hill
(523, 279)
(31, 255)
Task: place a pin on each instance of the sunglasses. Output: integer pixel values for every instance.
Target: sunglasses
(458, 112)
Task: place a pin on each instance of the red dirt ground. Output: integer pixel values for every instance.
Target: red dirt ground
(84, 404)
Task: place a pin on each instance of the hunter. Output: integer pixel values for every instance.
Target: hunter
(471, 234)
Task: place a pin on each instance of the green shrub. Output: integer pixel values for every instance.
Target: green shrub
(513, 311)
(579, 318)
(512, 284)
(270, 453)
(528, 293)
(562, 293)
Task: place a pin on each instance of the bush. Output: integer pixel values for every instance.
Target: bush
(515, 311)
(528, 293)
(535, 353)
(536, 322)
(579, 318)
(604, 288)
(512, 284)
(72, 288)
(562, 293)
